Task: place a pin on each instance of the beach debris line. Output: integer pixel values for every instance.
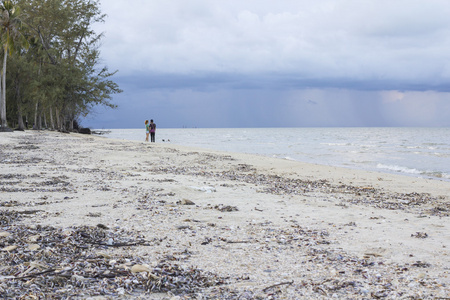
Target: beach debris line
(421, 203)
(251, 255)
(69, 262)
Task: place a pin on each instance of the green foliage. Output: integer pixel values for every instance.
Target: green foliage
(57, 78)
(10, 32)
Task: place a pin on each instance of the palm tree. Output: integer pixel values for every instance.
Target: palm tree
(10, 25)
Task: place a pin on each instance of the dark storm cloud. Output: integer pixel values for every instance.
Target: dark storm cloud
(238, 63)
(213, 81)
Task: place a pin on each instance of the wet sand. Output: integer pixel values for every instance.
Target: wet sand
(248, 226)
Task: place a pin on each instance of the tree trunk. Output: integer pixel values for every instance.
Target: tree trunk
(35, 116)
(2, 117)
(3, 122)
(39, 123)
(20, 124)
(63, 123)
(52, 124)
(58, 120)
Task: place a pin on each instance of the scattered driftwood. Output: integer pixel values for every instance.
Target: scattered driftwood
(138, 243)
(278, 284)
(76, 263)
(29, 212)
(237, 242)
(51, 270)
(233, 242)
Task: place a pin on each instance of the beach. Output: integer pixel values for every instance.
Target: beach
(89, 217)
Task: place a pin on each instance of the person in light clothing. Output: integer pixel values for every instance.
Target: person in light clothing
(147, 130)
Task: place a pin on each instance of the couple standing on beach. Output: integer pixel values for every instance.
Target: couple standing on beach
(150, 129)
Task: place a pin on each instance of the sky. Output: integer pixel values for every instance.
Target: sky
(283, 63)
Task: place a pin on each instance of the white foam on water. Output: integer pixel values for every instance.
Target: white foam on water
(423, 152)
(399, 169)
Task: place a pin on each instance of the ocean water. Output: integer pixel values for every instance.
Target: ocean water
(420, 152)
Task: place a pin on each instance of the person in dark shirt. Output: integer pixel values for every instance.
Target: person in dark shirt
(152, 131)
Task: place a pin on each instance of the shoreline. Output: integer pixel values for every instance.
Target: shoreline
(428, 168)
(252, 221)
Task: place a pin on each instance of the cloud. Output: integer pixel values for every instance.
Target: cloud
(332, 42)
(232, 63)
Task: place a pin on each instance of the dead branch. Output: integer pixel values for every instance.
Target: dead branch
(278, 284)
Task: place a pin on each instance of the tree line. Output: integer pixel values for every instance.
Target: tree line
(50, 75)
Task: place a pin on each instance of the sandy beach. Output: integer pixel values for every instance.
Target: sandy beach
(88, 217)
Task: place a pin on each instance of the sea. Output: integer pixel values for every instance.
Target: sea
(419, 152)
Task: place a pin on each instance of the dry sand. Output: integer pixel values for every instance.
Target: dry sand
(265, 227)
